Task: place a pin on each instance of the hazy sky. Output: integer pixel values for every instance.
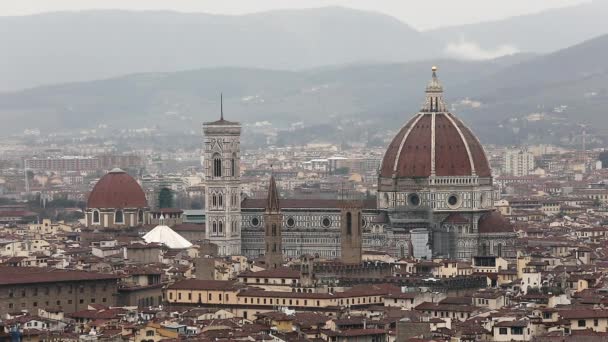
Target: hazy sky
(422, 14)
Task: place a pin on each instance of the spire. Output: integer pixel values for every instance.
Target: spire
(273, 196)
(434, 95)
(222, 106)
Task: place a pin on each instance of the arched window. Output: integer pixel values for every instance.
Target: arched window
(140, 216)
(119, 217)
(214, 200)
(499, 250)
(220, 228)
(96, 216)
(349, 223)
(214, 228)
(217, 165)
(220, 200)
(233, 165)
(274, 229)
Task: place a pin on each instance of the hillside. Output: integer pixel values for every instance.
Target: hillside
(77, 46)
(542, 32)
(376, 95)
(181, 99)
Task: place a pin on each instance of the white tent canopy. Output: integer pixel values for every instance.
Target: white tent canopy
(166, 236)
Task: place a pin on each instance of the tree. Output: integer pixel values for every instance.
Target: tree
(165, 198)
(342, 171)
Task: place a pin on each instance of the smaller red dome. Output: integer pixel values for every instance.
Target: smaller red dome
(117, 190)
(494, 222)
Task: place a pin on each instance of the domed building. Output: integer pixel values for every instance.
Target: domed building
(435, 199)
(435, 176)
(116, 202)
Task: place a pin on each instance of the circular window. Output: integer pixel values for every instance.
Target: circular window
(414, 200)
(291, 222)
(453, 201)
(326, 222)
(255, 221)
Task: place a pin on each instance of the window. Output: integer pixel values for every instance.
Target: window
(220, 228)
(414, 200)
(274, 229)
(233, 165)
(453, 201)
(217, 165)
(95, 216)
(517, 331)
(582, 323)
(596, 322)
(150, 333)
(349, 223)
(140, 216)
(214, 228)
(119, 217)
(220, 200)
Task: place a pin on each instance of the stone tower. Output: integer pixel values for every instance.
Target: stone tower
(307, 271)
(223, 184)
(273, 221)
(351, 233)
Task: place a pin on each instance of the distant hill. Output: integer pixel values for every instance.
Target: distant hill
(64, 47)
(181, 99)
(375, 95)
(576, 76)
(541, 32)
(78, 46)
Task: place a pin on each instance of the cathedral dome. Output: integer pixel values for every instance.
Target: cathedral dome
(494, 222)
(117, 190)
(434, 142)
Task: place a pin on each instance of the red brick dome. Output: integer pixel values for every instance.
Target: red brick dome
(434, 142)
(494, 222)
(117, 190)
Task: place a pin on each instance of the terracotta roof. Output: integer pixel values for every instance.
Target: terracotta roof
(456, 218)
(33, 275)
(117, 190)
(583, 314)
(410, 152)
(494, 222)
(198, 284)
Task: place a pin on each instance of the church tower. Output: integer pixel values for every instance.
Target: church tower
(273, 221)
(351, 233)
(223, 184)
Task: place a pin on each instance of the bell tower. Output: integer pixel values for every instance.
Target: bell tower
(351, 233)
(273, 221)
(221, 159)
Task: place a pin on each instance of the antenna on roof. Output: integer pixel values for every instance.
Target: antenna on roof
(221, 106)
